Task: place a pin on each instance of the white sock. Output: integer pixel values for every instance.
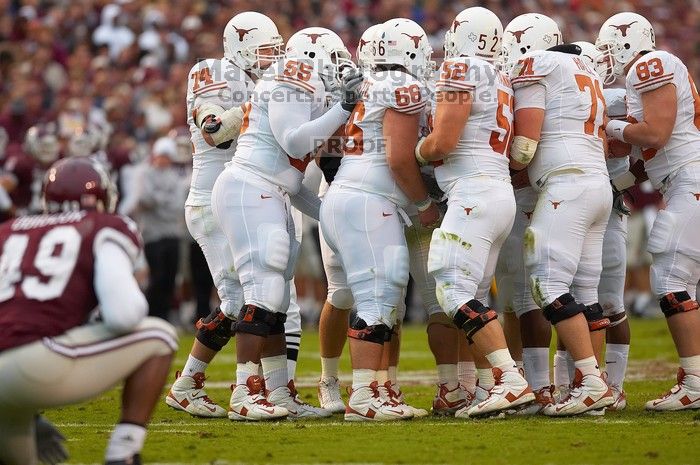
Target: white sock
(382, 376)
(466, 373)
(275, 371)
(520, 366)
(447, 374)
(363, 378)
(245, 371)
(502, 360)
(393, 374)
(126, 440)
(616, 363)
(291, 369)
(691, 365)
(329, 367)
(536, 361)
(193, 366)
(485, 376)
(561, 370)
(588, 366)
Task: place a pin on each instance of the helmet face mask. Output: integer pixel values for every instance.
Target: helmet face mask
(41, 142)
(593, 57)
(622, 37)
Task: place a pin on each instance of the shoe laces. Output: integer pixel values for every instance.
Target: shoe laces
(199, 379)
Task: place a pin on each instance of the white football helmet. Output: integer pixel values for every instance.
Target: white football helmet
(181, 136)
(403, 42)
(325, 48)
(475, 32)
(593, 57)
(620, 39)
(526, 33)
(41, 142)
(364, 48)
(82, 142)
(246, 35)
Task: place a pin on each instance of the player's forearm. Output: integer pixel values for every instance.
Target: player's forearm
(438, 146)
(645, 135)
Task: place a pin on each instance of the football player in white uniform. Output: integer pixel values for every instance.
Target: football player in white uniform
(560, 138)
(471, 135)
(333, 322)
(363, 208)
(664, 109)
(283, 124)
(215, 92)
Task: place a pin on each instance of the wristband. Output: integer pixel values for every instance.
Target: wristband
(616, 128)
(423, 205)
(419, 158)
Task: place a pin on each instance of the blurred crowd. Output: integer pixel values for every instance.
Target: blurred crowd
(107, 79)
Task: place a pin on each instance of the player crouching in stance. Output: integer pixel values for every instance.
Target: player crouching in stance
(56, 268)
(285, 121)
(472, 136)
(664, 109)
(363, 209)
(559, 113)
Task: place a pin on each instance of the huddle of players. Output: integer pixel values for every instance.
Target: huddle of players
(516, 136)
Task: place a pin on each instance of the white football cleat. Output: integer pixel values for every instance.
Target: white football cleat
(396, 396)
(329, 395)
(367, 404)
(187, 394)
(510, 391)
(248, 404)
(543, 397)
(288, 398)
(685, 395)
(479, 395)
(586, 393)
(447, 401)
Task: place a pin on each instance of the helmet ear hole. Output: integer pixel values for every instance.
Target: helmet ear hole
(627, 46)
(413, 56)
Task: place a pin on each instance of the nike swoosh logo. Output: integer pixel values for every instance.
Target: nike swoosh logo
(265, 196)
(398, 412)
(386, 214)
(266, 410)
(211, 409)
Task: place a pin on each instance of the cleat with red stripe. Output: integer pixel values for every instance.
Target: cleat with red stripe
(249, 404)
(393, 393)
(685, 395)
(511, 392)
(188, 395)
(447, 401)
(586, 393)
(367, 404)
(543, 398)
(287, 397)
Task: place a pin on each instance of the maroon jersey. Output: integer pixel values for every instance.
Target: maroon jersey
(29, 177)
(47, 271)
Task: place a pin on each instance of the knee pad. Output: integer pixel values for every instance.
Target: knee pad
(260, 322)
(595, 318)
(215, 330)
(617, 318)
(677, 302)
(563, 308)
(378, 334)
(341, 298)
(440, 318)
(473, 316)
(274, 245)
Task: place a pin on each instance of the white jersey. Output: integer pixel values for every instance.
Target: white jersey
(616, 109)
(364, 165)
(572, 132)
(219, 82)
(482, 149)
(258, 151)
(654, 70)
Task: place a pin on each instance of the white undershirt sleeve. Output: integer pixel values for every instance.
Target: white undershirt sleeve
(532, 96)
(297, 139)
(122, 303)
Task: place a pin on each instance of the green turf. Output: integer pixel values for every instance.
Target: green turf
(629, 437)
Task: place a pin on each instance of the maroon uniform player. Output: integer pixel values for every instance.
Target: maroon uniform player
(55, 269)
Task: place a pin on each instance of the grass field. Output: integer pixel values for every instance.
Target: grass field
(629, 437)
